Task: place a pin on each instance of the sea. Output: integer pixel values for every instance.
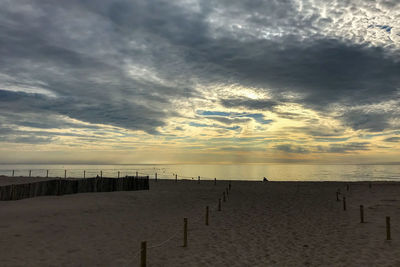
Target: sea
(251, 172)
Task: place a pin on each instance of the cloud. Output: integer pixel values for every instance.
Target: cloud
(255, 104)
(137, 66)
(289, 148)
(393, 139)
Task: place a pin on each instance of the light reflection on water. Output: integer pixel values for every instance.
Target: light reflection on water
(274, 172)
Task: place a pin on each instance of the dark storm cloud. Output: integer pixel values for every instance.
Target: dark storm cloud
(371, 121)
(248, 103)
(124, 63)
(128, 115)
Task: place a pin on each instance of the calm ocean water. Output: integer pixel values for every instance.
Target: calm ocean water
(274, 172)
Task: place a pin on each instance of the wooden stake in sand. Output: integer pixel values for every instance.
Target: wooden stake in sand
(47, 174)
(118, 174)
(176, 178)
(13, 173)
(101, 174)
(206, 215)
(185, 223)
(198, 181)
(388, 228)
(137, 174)
(143, 254)
(344, 203)
(219, 204)
(361, 213)
(65, 173)
(337, 196)
(215, 181)
(84, 174)
(30, 172)
(155, 177)
(227, 192)
(223, 196)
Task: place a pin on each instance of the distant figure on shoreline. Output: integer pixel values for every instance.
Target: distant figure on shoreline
(265, 180)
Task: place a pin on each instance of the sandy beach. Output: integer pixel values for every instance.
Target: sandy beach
(261, 224)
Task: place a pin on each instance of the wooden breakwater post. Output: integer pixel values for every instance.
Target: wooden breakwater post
(344, 203)
(47, 173)
(337, 196)
(101, 174)
(227, 192)
(84, 174)
(65, 174)
(388, 237)
(155, 177)
(207, 215)
(198, 179)
(185, 235)
(13, 173)
(118, 174)
(361, 214)
(219, 204)
(176, 178)
(137, 175)
(143, 254)
(30, 172)
(215, 181)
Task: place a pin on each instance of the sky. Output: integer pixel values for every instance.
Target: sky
(200, 81)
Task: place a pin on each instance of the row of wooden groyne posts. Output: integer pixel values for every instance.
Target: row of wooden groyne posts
(56, 187)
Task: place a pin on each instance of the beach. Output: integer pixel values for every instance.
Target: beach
(260, 224)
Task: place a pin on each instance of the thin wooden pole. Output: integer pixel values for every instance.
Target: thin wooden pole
(219, 204)
(185, 223)
(101, 174)
(215, 181)
(143, 253)
(198, 181)
(13, 173)
(206, 215)
(227, 192)
(30, 172)
(388, 228)
(84, 174)
(118, 174)
(344, 203)
(361, 213)
(137, 174)
(65, 173)
(155, 176)
(176, 177)
(223, 196)
(337, 196)
(230, 186)
(47, 173)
